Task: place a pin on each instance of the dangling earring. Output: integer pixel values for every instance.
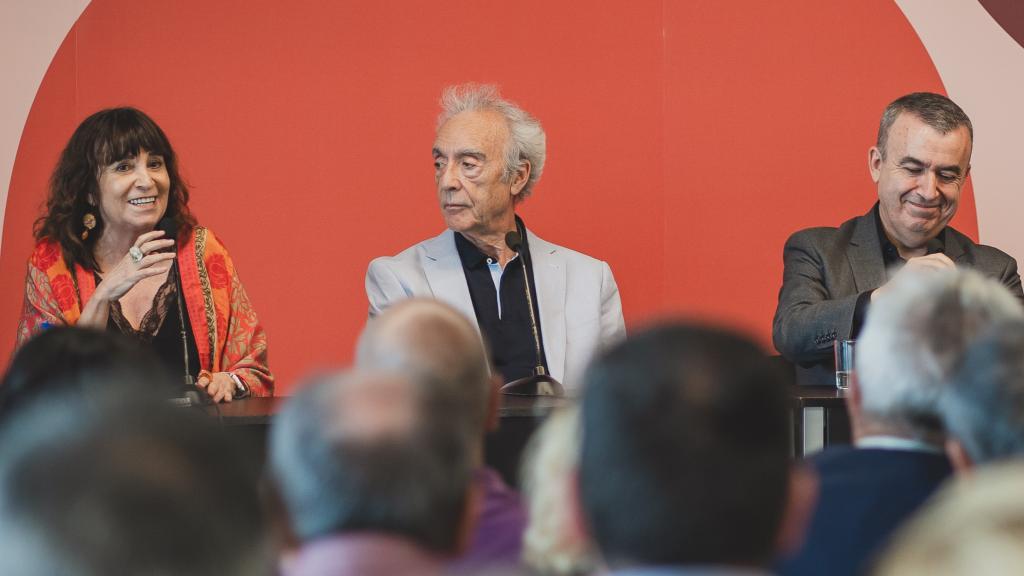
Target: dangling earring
(89, 221)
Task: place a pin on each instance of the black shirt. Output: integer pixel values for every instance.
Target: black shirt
(161, 328)
(509, 337)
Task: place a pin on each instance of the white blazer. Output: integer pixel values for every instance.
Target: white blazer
(580, 310)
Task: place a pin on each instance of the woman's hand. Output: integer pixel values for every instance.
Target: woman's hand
(220, 386)
(121, 278)
(126, 274)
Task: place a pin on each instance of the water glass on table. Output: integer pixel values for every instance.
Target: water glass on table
(844, 363)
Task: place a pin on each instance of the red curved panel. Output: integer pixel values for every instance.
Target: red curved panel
(686, 139)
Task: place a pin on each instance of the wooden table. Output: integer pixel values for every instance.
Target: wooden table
(248, 420)
(818, 419)
(258, 411)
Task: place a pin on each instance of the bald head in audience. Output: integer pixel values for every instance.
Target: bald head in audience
(441, 351)
(434, 344)
(373, 475)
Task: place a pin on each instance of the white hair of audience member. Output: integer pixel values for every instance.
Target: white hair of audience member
(915, 334)
(527, 141)
(973, 526)
(983, 407)
(552, 543)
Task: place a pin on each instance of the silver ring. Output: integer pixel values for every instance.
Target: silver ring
(136, 254)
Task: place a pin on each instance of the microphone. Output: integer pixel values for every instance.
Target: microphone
(540, 384)
(192, 396)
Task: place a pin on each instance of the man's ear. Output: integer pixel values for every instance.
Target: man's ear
(494, 402)
(958, 457)
(800, 504)
(520, 178)
(875, 163)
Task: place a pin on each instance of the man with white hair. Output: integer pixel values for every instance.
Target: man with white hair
(982, 406)
(913, 340)
(488, 156)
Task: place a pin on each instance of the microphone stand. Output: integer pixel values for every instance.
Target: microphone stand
(192, 396)
(541, 383)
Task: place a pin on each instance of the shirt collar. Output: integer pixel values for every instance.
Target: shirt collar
(472, 257)
(890, 255)
(897, 443)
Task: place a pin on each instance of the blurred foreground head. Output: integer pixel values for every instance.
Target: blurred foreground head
(553, 543)
(92, 485)
(914, 339)
(685, 454)
(360, 452)
(433, 344)
(91, 364)
(984, 406)
(974, 526)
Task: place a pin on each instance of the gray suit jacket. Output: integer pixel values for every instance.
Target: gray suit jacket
(580, 310)
(826, 269)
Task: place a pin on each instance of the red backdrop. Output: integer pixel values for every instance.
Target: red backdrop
(686, 139)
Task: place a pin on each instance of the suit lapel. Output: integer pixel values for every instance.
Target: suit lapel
(953, 249)
(865, 254)
(447, 280)
(549, 275)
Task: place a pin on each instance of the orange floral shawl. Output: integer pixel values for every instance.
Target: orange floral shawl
(225, 327)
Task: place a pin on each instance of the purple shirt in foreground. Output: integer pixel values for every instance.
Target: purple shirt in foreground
(498, 538)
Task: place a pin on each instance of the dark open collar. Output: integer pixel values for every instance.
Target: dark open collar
(890, 254)
(472, 257)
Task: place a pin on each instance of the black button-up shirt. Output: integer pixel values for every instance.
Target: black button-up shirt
(508, 335)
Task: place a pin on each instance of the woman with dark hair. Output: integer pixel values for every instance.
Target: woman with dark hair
(100, 260)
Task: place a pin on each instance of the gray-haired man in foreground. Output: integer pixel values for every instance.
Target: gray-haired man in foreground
(373, 476)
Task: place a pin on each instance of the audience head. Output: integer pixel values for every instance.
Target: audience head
(434, 345)
(974, 526)
(85, 362)
(554, 543)
(359, 452)
(685, 454)
(983, 407)
(92, 489)
(915, 335)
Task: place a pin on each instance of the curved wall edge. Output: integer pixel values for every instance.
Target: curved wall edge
(983, 70)
(30, 33)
